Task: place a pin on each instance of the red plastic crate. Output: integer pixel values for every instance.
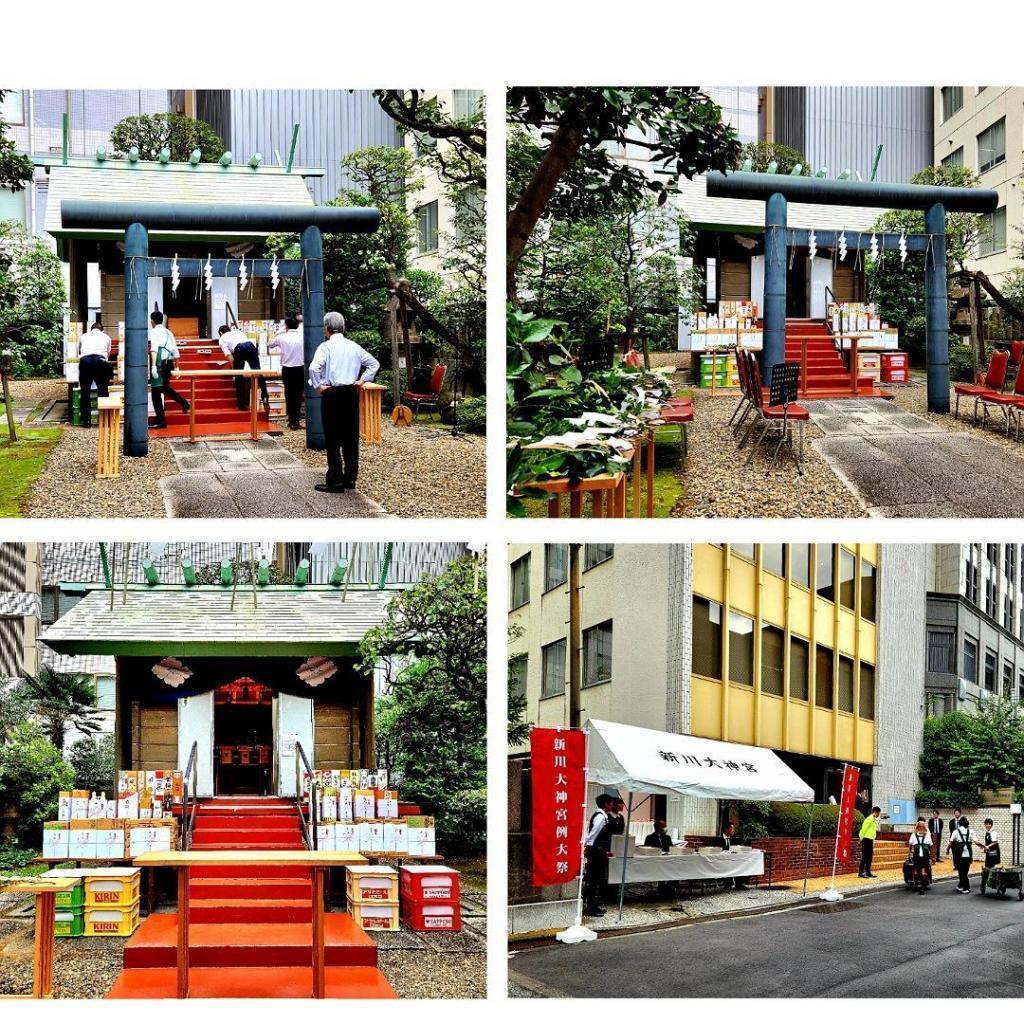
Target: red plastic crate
(429, 882)
(895, 367)
(432, 915)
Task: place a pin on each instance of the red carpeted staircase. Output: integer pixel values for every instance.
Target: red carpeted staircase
(217, 409)
(250, 928)
(827, 375)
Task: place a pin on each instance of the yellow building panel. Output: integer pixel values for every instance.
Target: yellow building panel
(741, 714)
(772, 709)
(742, 585)
(823, 733)
(870, 553)
(847, 750)
(706, 708)
(866, 741)
(798, 712)
(847, 632)
(824, 613)
(707, 571)
(773, 599)
(800, 611)
(868, 641)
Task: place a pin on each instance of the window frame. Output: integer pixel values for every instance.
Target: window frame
(525, 561)
(994, 162)
(425, 208)
(592, 632)
(548, 548)
(564, 643)
(587, 564)
(716, 653)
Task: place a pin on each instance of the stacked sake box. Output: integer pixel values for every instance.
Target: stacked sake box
(430, 898)
(112, 901)
(372, 896)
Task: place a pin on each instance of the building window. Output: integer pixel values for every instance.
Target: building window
(741, 649)
(1009, 613)
(12, 107)
(847, 579)
(824, 684)
(1007, 680)
(743, 550)
(952, 100)
(970, 666)
(519, 582)
(556, 565)
(992, 147)
(773, 642)
(517, 669)
(773, 558)
(1020, 686)
(941, 651)
(971, 589)
(799, 668)
(595, 554)
(955, 159)
(1010, 562)
(992, 232)
(991, 597)
(553, 669)
(800, 564)
(990, 671)
(845, 684)
(466, 102)
(426, 227)
(106, 690)
(597, 654)
(867, 691)
(826, 572)
(56, 603)
(706, 659)
(868, 591)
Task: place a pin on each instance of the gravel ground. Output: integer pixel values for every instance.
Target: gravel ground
(39, 389)
(67, 486)
(416, 472)
(914, 399)
(718, 482)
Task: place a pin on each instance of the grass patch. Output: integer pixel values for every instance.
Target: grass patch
(668, 483)
(21, 463)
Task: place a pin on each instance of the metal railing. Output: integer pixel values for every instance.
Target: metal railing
(190, 797)
(307, 814)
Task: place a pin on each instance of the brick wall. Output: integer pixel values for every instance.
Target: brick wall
(789, 855)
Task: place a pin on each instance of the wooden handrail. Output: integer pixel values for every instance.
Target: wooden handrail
(253, 375)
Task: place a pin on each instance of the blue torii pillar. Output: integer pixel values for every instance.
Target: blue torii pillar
(773, 349)
(136, 340)
(311, 246)
(936, 310)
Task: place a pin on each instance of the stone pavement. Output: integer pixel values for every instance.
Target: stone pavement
(905, 466)
(241, 478)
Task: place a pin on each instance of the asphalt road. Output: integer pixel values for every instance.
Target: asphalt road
(889, 945)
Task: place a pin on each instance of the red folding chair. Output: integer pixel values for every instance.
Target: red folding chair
(995, 383)
(1011, 403)
(431, 397)
(780, 412)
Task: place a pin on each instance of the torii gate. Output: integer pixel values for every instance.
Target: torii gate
(935, 200)
(137, 219)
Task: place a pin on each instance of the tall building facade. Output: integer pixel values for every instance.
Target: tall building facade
(975, 625)
(982, 127)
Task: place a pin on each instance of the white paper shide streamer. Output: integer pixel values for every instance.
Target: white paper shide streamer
(275, 277)
(842, 245)
(208, 273)
(874, 248)
(903, 247)
(812, 244)
(175, 275)
(243, 276)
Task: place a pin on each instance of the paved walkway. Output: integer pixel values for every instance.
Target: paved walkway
(241, 478)
(905, 466)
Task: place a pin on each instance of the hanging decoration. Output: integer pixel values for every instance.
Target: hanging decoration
(275, 277)
(243, 276)
(208, 273)
(812, 245)
(172, 672)
(315, 671)
(842, 245)
(175, 275)
(874, 247)
(903, 247)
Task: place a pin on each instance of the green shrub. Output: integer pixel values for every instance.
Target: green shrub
(472, 414)
(792, 819)
(928, 799)
(12, 858)
(93, 761)
(961, 360)
(32, 773)
(462, 825)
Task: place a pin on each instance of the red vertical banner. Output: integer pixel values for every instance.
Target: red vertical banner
(558, 772)
(847, 805)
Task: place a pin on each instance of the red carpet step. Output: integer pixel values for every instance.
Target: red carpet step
(253, 983)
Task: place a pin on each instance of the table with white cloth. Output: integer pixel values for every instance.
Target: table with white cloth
(689, 867)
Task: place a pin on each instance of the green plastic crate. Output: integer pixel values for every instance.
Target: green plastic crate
(72, 899)
(69, 924)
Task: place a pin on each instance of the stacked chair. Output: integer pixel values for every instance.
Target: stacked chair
(774, 409)
(1011, 403)
(995, 383)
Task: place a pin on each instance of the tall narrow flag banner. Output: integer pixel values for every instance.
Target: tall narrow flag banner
(558, 787)
(848, 804)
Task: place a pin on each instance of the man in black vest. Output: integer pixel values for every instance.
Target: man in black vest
(993, 855)
(598, 849)
(935, 826)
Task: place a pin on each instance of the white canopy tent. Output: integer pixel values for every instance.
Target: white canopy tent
(637, 760)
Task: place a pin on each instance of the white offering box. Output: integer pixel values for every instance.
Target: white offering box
(396, 837)
(371, 837)
(346, 838)
(325, 837)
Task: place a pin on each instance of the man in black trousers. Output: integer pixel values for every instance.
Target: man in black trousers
(598, 848)
(337, 371)
(935, 826)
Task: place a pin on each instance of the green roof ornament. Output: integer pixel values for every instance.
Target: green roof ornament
(149, 571)
(773, 166)
(101, 154)
(226, 158)
(302, 573)
(165, 155)
(133, 155)
(338, 576)
(844, 174)
(195, 156)
(263, 573)
(822, 172)
(255, 160)
(227, 575)
(747, 165)
(188, 572)
(797, 170)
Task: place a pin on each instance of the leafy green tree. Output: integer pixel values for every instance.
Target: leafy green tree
(15, 167)
(761, 154)
(62, 700)
(14, 709)
(32, 299)
(179, 133)
(32, 773)
(989, 753)
(432, 647)
(518, 727)
(93, 761)
(938, 744)
(574, 168)
(898, 289)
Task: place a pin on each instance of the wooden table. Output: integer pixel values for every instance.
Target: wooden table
(45, 891)
(607, 493)
(318, 862)
(254, 408)
(370, 413)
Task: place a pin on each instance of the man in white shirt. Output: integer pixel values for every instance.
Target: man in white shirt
(962, 841)
(242, 352)
(597, 848)
(163, 351)
(93, 368)
(337, 371)
(293, 368)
